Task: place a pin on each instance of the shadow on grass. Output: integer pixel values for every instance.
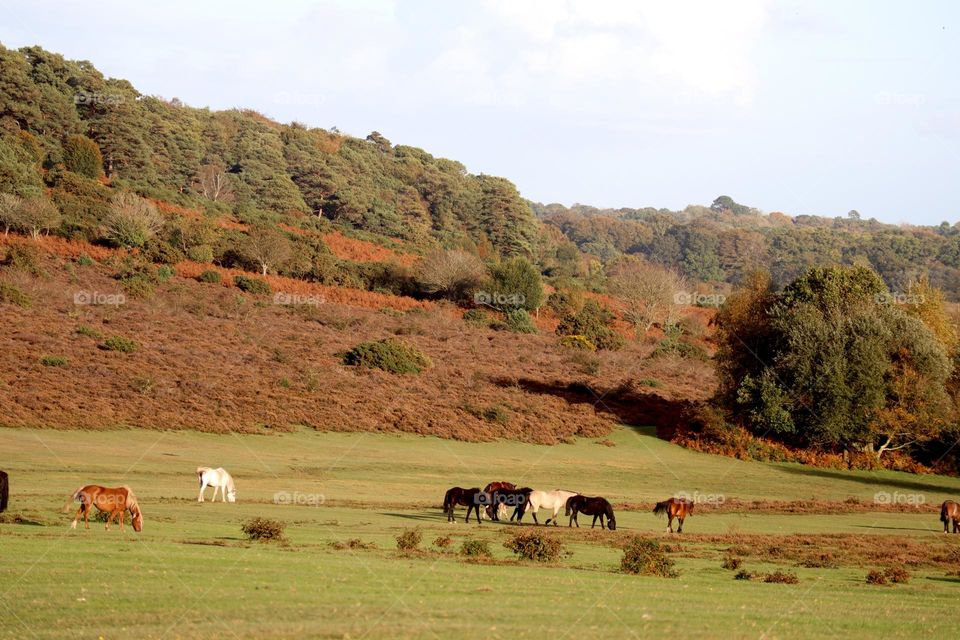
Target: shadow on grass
(439, 517)
(871, 526)
(852, 476)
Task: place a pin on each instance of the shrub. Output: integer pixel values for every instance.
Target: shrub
(82, 155)
(453, 274)
(731, 562)
(781, 577)
(53, 361)
(821, 561)
(897, 575)
(211, 276)
(389, 354)
(476, 549)
(743, 574)
(532, 545)
(595, 323)
(577, 342)
(253, 286)
(519, 321)
(515, 284)
(353, 543)
(24, 257)
(85, 261)
(646, 557)
(90, 332)
(409, 540)
(876, 576)
(132, 221)
(264, 529)
(200, 253)
(165, 272)
(681, 349)
(477, 318)
(10, 294)
(138, 277)
(119, 343)
(443, 542)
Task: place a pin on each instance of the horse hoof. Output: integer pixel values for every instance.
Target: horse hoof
(73, 525)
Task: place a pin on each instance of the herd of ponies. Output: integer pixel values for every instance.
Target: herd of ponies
(493, 501)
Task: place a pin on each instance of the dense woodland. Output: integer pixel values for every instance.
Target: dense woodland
(842, 314)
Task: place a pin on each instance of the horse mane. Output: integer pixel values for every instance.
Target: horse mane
(131, 502)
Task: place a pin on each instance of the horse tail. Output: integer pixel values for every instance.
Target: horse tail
(200, 472)
(446, 499)
(4, 490)
(566, 511)
(943, 513)
(661, 508)
(73, 498)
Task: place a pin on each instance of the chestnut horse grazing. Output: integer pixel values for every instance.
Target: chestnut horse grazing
(678, 508)
(4, 490)
(596, 507)
(950, 512)
(497, 509)
(111, 501)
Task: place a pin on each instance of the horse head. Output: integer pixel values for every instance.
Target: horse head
(136, 518)
(231, 495)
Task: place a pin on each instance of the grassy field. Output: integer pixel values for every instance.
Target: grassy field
(191, 573)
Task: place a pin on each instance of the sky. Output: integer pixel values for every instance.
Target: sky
(801, 107)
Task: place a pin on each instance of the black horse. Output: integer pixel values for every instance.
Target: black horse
(596, 507)
(4, 490)
(516, 498)
(470, 498)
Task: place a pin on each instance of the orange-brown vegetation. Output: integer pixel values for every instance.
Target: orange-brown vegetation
(356, 250)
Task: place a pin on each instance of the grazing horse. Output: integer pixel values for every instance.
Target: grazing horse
(501, 499)
(4, 490)
(678, 508)
(556, 500)
(111, 501)
(470, 498)
(494, 511)
(950, 512)
(220, 480)
(596, 507)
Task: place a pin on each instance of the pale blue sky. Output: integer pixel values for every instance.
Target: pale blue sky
(802, 107)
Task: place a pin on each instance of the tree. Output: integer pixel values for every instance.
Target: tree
(35, 216)
(9, 204)
(454, 274)
(853, 214)
(267, 248)
(82, 155)
(593, 322)
(515, 284)
(132, 220)
(213, 183)
(647, 294)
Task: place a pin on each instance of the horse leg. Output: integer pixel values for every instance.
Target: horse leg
(77, 517)
(215, 489)
(670, 522)
(223, 493)
(203, 486)
(86, 515)
(535, 521)
(680, 520)
(110, 517)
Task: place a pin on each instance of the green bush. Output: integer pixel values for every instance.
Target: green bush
(519, 321)
(595, 323)
(10, 294)
(515, 284)
(264, 529)
(53, 361)
(25, 257)
(253, 286)
(477, 318)
(90, 332)
(646, 557)
(119, 343)
(533, 545)
(211, 276)
(85, 261)
(200, 253)
(389, 354)
(82, 155)
(577, 342)
(476, 549)
(409, 540)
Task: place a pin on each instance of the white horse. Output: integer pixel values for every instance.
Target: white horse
(220, 480)
(556, 500)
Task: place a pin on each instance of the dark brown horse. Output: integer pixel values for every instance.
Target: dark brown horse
(678, 508)
(597, 507)
(114, 502)
(470, 498)
(492, 508)
(4, 490)
(516, 498)
(950, 512)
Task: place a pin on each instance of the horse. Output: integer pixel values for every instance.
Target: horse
(220, 480)
(111, 501)
(556, 500)
(678, 508)
(950, 511)
(4, 490)
(501, 499)
(596, 507)
(470, 498)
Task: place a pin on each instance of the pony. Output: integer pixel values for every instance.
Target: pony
(495, 511)
(678, 508)
(220, 480)
(470, 498)
(4, 490)
(111, 501)
(501, 499)
(556, 500)
(596, 507)
(950, 512)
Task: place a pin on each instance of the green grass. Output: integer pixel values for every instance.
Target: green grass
(191, 572)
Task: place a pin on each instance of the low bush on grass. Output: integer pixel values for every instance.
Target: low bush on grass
(533, 545)
(477, 318)
(519, 321)
(476, 549)
(10, 294)
(876, 576)
(731, 562)
(24, 257)
(743, 574)
(409, 540)
(646, 557)
(593, 322)
(443, 542)
(85, 261)
(119, 343)
(90, 332)
(390, 354)
(819, 561)
(53, 361)
(781, 577)
(165, 272)
(210, 276)
(353, 543)
(896, 575)
(264, 529)
(253, 286)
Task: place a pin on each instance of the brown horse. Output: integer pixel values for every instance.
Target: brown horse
(4, 490)
(678, 508)
(950, 512)
(111, 501)
(493, 509)
(470, 498)
(597, 507)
